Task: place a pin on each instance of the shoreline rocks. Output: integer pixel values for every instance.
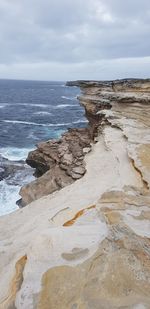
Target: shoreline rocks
(58, 163)
(87, 245)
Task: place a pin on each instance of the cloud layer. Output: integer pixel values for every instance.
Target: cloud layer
(66, 39)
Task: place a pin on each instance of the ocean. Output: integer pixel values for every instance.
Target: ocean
(30, 112)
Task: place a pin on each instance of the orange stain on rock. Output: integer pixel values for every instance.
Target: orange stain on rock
(78, 214)
(15, 284)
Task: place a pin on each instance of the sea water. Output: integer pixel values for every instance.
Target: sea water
(30, 112)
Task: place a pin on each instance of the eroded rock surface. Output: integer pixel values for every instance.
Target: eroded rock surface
(88, 245)
(57, 163)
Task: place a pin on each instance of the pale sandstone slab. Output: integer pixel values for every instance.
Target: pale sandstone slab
(87, 246)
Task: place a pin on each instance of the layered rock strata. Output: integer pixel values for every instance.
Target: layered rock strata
(57, 164)
(87, 245)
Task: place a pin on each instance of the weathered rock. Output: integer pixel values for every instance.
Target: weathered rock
(86, 150)
(87, 245)
(53, 180)
(57, 163)
(79, 170)
(66, 154)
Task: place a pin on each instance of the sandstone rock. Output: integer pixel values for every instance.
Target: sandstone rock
(67, 159)
(53, 180)
(56, 159)
(86, 150)
(87, 245)
(79, 170)
(103, 102)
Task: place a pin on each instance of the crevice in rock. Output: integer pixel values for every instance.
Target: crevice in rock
(145, 183)
(15, 284)
(58, 212)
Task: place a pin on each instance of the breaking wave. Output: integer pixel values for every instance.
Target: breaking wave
(68, 98)
(36, 124)
(8, 193)
(31, 104)
(80, 121)
(64, 105)
(21, 111)
(14, 153)
(46, 124)
(42, 113)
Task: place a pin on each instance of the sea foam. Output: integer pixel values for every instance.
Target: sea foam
(8, 193)
(46, 124)
(42, 113)
(68, 98)
(15, 154)
(65, 105)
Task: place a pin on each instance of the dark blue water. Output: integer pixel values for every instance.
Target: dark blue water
(30, 112)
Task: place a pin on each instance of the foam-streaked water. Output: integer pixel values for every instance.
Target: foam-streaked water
(30, 112)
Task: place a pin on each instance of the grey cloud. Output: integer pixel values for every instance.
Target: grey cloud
(73, 32)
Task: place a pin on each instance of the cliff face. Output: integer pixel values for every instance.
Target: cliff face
(58, 163)
(61, 162)
(87, 245)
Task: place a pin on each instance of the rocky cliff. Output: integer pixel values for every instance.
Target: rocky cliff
(87, 245)
(57, 164)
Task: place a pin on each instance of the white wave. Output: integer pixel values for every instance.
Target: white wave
(68, 98)
(42, 113)
(32, 104)
(36, 124)
(64, 105)
(14, 153)
(9, 194)
(24, 104)
(24, 122)
(45, 124)
(80, 121)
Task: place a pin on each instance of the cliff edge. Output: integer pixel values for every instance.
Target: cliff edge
(87, 245)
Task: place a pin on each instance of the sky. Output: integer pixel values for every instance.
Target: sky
(74, 39)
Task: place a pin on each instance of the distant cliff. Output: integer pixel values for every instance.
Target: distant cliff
(88, 244)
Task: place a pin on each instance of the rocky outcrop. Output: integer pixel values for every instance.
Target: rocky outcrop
(87, 245)
(57, 163)
(61, 162)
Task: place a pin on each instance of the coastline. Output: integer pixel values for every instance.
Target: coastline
(93, 233)
(29, 113)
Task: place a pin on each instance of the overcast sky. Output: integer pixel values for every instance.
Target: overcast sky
(74, 39)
